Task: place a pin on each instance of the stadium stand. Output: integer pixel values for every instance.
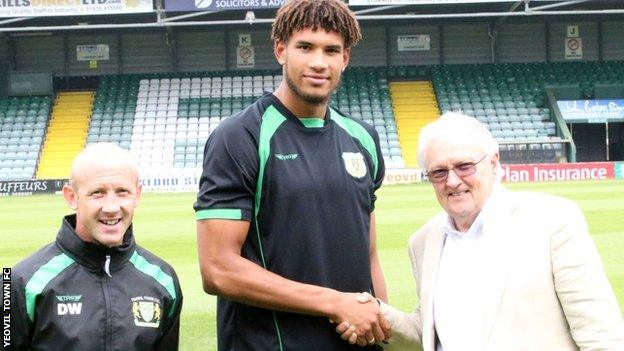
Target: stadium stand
(510, 99)
(23, 122)
(164, 119)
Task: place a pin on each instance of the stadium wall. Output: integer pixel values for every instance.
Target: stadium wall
(41, 54)
(466, 43)
(521, 42)
(200, 51)
(145, 52)
(214, 49)
(612, 39)
(372, 50)
(4, 65)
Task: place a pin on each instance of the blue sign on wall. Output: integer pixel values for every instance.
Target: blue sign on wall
(592, 111)
(220, 5)
(619, 170)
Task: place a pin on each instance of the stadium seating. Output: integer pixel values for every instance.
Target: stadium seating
(510, 100)
(23, 121)
(164, 120)
(174, 116)
(112, 119)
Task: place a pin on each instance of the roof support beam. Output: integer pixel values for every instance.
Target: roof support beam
(377, 9)
(552, 6)
(189, 15)
(13, 20)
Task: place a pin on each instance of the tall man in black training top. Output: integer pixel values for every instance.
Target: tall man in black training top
(95, 288)
(285, 222)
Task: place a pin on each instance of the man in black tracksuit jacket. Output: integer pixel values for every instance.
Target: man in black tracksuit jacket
(94, 288)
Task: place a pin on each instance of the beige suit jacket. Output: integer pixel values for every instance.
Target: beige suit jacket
(547, 290)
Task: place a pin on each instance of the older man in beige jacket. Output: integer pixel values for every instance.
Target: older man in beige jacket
(499, 270)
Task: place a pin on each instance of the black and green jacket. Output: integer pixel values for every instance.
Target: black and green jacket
(73, 295)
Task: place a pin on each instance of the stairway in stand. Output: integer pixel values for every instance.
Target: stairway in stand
(66, 134)
(414, 105)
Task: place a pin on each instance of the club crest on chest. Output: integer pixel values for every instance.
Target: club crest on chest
(146, 311)
(354, 164)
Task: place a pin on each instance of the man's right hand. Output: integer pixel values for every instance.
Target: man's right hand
(360, 320)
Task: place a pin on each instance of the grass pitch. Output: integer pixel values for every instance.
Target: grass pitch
(165, 224)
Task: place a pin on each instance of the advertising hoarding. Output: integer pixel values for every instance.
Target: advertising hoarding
(591, 111)
(40, 8)
(544, 172)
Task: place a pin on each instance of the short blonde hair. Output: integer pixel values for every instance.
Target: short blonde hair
(102, 152)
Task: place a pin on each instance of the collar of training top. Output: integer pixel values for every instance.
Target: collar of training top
(90, 255)
(277, 103)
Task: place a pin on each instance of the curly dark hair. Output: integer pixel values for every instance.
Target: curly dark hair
(330, 15)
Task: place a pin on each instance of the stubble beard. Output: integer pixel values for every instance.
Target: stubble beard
(307, 98)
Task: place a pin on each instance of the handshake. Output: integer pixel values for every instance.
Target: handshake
(360, 320)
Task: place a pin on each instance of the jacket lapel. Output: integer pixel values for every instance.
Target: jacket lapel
(433, 251)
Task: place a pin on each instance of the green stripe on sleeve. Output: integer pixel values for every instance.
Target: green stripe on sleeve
(155, 272)
(222, 213)
(360, 133)
(271, 120)
(41, 278)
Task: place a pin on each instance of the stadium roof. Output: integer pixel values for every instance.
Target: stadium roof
(398, 10)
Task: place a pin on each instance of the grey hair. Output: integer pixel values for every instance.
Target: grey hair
(107, 153)
(455, 126)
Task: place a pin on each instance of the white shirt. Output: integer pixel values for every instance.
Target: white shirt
(457, 303)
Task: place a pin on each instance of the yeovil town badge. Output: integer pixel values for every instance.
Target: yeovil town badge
(354, 163)
(146, 311)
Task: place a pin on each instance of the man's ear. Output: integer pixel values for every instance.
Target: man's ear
(70, 196)
(346, 55)
(496, 167)
(279, 48)
(139, 191)
(496, 160)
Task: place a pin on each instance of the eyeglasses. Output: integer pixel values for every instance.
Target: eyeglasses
(463, 169)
